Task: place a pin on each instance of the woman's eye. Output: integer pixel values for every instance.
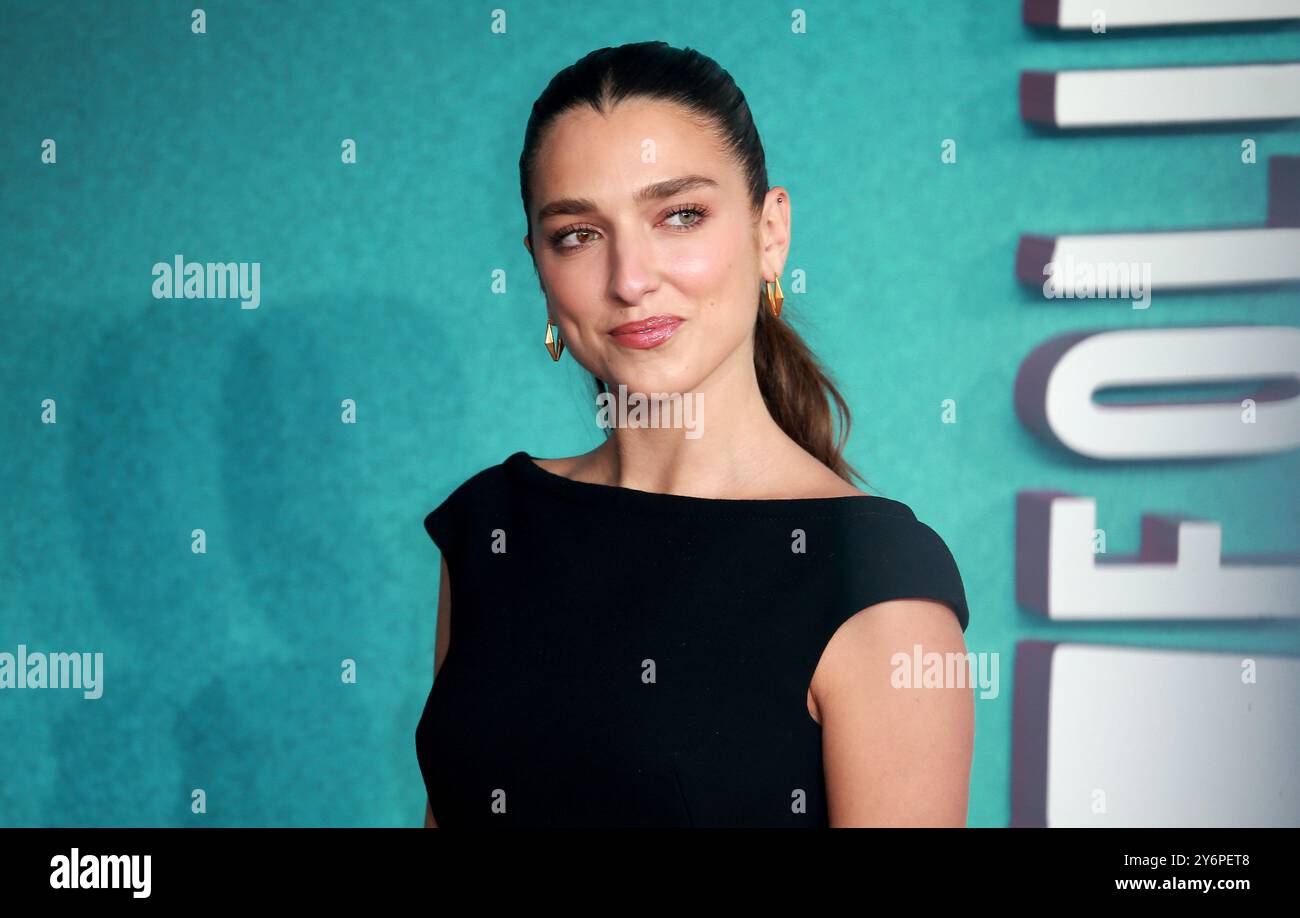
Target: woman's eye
(559, 240)
(695, 216)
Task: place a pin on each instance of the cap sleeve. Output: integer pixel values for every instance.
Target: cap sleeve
(452, 523)
(447, 523)
(878, 557)
(444, 527)
(896, 556)
(928, 570)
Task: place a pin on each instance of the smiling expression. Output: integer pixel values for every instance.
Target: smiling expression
(652, 269)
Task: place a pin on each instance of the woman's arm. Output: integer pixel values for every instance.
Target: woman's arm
(440, 654)
(895, 756)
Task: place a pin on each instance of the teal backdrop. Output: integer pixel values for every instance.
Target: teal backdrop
(222, 670)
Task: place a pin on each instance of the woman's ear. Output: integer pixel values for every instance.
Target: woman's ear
(774, 228)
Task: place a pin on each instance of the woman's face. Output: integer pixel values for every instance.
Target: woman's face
(638, 215)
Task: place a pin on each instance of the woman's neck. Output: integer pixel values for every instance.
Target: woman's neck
(737, 449)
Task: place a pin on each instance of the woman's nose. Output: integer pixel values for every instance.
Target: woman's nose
(633, 272)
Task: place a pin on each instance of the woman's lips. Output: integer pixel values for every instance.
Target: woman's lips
(650, 332)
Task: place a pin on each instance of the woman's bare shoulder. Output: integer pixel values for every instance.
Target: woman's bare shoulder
(575, 467)
(815, 479)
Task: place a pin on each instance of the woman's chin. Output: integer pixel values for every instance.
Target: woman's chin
(648, 383)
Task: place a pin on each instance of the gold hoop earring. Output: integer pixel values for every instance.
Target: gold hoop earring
(774, 299)
(554, 344)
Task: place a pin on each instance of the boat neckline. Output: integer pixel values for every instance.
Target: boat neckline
(524, 466)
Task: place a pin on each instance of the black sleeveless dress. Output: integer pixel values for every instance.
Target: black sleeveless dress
(628, 658)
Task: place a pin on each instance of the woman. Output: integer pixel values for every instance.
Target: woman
(683, 627)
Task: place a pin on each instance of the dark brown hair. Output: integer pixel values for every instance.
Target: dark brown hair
(796, 388)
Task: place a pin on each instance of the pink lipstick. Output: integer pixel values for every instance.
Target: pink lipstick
(649, 332)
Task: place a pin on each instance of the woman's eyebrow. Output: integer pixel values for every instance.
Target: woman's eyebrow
(652, 192)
